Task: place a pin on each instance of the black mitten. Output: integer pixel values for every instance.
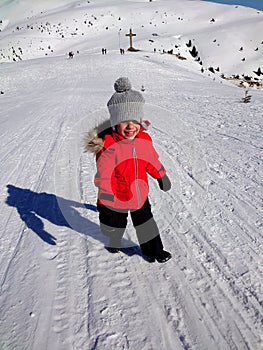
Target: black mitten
(164, 183)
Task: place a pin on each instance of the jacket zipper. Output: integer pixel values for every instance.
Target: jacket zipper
(136, 174)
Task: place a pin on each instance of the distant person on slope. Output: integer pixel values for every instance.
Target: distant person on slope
(125, 156)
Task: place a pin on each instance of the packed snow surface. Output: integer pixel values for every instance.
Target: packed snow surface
(60, 289)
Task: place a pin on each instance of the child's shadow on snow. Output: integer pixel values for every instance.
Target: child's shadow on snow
(32, 206)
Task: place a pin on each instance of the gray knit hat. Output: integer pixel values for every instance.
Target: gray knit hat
(125, 103)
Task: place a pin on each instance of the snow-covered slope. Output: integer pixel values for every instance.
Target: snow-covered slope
(60, 289)
(226, 38)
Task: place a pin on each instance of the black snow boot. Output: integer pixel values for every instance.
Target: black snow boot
(163, 256)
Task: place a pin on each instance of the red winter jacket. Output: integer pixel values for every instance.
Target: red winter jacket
(122, 168)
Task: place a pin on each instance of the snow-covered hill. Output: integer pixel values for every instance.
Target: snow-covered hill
(223, 38)
(59, 288)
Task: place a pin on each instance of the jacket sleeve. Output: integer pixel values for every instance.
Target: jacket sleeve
(105, 160)
(154, 166)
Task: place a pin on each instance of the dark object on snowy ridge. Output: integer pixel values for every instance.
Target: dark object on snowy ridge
(211, 69)
(193, 52)
(247, 97)
(189, 44)
(258, 72)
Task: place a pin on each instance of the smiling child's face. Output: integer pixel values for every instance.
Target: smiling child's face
(128, 129)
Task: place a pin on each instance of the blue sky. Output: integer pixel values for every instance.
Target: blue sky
(257, 4)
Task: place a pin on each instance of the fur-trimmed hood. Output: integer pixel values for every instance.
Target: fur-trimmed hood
(93, 140)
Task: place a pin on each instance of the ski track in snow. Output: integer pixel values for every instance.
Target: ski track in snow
(207, 297)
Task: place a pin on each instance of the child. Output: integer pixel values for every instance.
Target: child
(124, 156)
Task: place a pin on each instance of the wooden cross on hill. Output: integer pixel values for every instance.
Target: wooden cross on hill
(130, 35)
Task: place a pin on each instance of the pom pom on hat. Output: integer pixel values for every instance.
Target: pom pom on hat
(122, 84)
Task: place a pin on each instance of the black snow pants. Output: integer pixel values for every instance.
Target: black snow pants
(113, 224)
